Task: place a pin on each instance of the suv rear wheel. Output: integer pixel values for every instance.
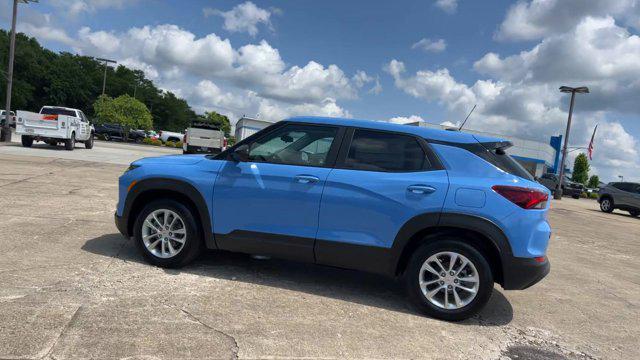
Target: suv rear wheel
(449, 279)
(167, 234)
(606, 204)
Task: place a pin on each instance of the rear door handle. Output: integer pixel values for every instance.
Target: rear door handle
(421, 189)
(306, 179)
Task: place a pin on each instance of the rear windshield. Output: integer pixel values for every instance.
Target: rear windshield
(495, 154)
(57, 111)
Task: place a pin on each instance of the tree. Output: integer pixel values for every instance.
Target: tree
(594, 181)
(124, 110)
(219, 120)
(580, 169)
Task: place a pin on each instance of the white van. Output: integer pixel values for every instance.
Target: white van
(54, 125)
(203, 137)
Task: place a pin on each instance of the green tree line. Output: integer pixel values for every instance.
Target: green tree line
(43, 77)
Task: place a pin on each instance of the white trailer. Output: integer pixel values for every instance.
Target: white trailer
(246, 127)
(54, 125)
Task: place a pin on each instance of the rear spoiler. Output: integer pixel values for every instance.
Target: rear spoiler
(498, 146)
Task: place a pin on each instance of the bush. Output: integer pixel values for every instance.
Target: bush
(179, 144)
(150, 141)
(593, 196)
(170, 144)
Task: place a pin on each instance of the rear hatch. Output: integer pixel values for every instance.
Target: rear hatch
(205, 135)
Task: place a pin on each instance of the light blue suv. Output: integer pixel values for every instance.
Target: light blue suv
(450, 213)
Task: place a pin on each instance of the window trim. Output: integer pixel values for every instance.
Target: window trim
(432, 162)
(331, 155)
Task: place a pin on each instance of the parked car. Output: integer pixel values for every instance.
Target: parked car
(203, 137)
(620, 195)
(170, 136)
(448, 212)
(569, 188)
(53, 125)
(116, 132)
(3, 117)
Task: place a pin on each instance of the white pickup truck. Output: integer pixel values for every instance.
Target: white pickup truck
(55, 125)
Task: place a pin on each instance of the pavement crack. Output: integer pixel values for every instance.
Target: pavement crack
(190, 316)
(66, 327)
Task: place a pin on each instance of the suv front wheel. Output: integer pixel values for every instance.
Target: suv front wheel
(449, 279)
(167, 235)
(606, 204)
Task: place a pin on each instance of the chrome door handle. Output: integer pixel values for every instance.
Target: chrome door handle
(421, 189)
(306, 179)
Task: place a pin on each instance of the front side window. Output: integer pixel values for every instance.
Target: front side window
(383, 151)
(294, 144)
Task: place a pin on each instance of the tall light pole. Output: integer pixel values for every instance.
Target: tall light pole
(104, 79)
(566, 89)
(5, 134)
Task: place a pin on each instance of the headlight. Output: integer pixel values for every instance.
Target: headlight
(131, 167)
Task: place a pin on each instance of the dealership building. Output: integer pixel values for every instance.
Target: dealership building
(535, 156)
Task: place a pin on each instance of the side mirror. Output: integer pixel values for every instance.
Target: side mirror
(241, 153)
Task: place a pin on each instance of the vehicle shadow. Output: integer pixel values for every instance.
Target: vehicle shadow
(341, 284)
(617, 212)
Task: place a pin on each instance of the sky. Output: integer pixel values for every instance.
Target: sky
(429, 60)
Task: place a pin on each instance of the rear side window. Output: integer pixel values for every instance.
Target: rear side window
(57, 111)
(386, 152)
(630, 187)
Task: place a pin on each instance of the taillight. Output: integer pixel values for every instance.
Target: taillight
(526, 198)
(184, 139)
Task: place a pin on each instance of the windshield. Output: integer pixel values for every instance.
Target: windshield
(57, 111)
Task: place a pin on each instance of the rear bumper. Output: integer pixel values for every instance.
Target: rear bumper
(521, 273)
(121, 224)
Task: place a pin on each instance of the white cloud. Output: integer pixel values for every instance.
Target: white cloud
(376, 88)
(361, 78)
(244, 17)
(448, 6)
(429, 45)
(46, 32)
(74, 8)
(406, 120)
(532, 20)
(100, 41)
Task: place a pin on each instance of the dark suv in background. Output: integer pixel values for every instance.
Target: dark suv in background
(620, 195)
(569, 188)
(116, 132)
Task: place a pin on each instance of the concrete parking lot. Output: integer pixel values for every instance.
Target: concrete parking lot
(73, 288)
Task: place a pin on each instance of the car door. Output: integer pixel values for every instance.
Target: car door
(635, 201)
(381, 181)
(269, 204)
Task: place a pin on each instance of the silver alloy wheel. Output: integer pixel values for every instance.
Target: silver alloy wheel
(449, 280)
(164, 233)
(605, 204)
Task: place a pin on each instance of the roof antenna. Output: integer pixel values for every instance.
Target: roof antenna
(467, 118)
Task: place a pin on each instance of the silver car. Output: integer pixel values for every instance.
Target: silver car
(620, 195)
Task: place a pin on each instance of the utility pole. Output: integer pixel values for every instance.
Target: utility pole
(104, 79)
(565, 89)
(5, 134)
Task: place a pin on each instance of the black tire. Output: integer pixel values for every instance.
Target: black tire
(634, 213)
(27, 141)
(412, 276)
(88, 144)
(70, 144)
(576, 196)
(606, 204)
(193, 243)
